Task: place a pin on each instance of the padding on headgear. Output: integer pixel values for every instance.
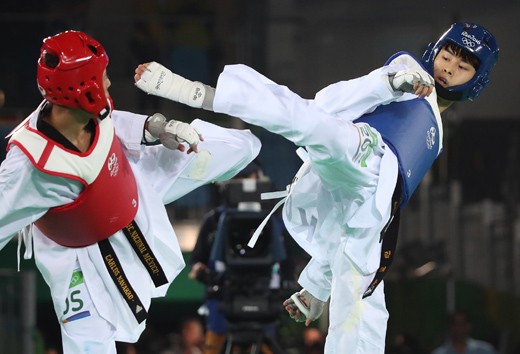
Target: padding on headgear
(475, 40)
(75, 79)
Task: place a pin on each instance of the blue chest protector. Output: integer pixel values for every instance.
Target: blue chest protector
(411, 131)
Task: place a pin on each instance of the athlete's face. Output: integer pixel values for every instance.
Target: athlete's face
(106, 83)
(450, 70)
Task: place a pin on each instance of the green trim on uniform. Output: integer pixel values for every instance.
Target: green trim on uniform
(368, 141)
(76, 279)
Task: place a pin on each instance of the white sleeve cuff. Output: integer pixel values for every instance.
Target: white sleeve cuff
(316, 279)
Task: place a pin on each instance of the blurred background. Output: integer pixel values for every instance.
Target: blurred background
(459, 243)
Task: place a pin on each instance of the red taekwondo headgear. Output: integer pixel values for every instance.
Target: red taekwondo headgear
(76, 80)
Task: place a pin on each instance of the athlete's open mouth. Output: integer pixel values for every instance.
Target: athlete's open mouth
(442, 81)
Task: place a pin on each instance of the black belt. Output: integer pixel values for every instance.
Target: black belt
(145, 254)
(389, 237)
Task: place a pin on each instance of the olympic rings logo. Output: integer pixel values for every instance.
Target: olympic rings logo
(113, 165)
(467, 42)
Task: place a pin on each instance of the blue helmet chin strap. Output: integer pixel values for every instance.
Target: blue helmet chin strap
(475, 40)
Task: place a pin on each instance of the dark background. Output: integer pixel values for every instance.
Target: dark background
(468, 204)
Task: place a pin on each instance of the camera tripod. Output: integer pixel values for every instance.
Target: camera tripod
(249, 338)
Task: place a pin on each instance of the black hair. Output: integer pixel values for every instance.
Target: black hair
(464, 54)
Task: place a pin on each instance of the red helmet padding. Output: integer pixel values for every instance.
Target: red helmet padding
(77, 80)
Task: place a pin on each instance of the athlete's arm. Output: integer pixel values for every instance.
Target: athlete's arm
(27, 193)
(316, 277)
(129, 128)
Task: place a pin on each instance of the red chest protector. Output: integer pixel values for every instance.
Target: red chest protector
(109, 201)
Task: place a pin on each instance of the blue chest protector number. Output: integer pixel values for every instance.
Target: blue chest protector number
(411, 131)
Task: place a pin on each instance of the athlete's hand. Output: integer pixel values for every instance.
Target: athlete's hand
(416, 81)
(304, 307)
(196, 269)
(140, 71)
(173, 133)
(153, 78)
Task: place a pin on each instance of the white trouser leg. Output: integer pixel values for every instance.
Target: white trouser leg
(83, 331)
(357, 326)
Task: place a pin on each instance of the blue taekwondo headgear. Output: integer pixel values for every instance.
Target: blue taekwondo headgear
(477, 41)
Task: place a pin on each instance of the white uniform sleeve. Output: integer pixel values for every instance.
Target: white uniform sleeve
(317, 279)
(173, 173)
(129, 129)
(27, 193)
(223, 153)
(361, 95)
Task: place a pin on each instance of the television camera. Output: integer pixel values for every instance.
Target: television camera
(248, 286)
